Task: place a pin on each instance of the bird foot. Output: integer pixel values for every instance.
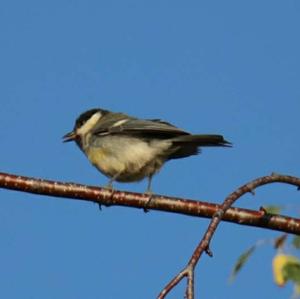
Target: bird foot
(150, 194)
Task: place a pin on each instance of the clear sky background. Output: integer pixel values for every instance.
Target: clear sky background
(226, 67)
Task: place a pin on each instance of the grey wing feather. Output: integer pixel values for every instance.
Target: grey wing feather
(121, 124)
(107, 122)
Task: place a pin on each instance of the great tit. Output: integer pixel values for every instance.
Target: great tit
(128, 149)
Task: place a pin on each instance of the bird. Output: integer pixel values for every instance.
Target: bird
(128, 149)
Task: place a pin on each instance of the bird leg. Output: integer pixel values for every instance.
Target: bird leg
(149, 190)
(109, 185)
(150, 193)
(111, 180)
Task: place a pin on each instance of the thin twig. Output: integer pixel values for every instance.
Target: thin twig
(158, 202)
(203, 246)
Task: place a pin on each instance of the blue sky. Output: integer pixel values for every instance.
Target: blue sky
(226, 67)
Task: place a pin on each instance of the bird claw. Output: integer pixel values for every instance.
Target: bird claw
(149, 193)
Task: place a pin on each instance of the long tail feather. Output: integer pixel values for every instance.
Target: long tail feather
(187, 145)
(202, 140)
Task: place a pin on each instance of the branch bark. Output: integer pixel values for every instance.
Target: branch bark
(158, 202)
(169, 204)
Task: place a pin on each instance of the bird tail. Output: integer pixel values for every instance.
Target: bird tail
(202, 140)
(187, 145)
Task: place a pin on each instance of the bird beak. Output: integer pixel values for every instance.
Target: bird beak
(71, 136)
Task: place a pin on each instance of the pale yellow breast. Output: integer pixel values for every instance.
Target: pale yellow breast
(104, 161)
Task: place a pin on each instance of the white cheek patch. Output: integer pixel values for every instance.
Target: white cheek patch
(89, 124)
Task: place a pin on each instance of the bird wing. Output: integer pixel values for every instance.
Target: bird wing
(121, 124)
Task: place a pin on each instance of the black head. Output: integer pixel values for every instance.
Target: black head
(79, 123)
(81, 120)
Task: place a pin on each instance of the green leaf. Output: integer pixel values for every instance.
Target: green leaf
(273, 209)
(243, 258)
(291, 270)
(296, 242)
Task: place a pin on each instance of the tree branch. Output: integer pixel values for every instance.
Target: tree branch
(203, 246)
(169, 204)
(158, 202)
